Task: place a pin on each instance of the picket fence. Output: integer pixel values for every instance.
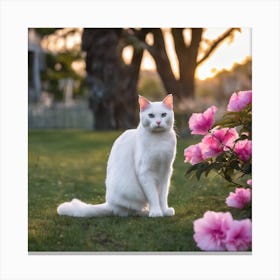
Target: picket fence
(60, 116)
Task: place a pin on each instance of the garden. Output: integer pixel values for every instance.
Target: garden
(210, 190)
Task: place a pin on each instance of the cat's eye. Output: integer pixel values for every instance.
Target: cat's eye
(151, 116)
(163, 115)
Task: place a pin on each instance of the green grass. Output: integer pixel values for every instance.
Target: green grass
(68, 164)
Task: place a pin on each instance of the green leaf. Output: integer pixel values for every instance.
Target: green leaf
(191, 169)
(202, 167)
(247, 167)
(242, 136)
(221, 158)
(229, 172)
(234, 164)
(207, 172)
(198, 173)
(217, 165)
(227, 177)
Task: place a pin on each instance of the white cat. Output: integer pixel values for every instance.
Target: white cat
(139, 168)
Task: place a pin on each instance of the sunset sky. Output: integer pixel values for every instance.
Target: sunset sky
(227, 54)
(223, 58)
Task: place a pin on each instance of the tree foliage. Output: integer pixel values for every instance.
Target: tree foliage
(46, 31)
(58, 63)
(59, 67)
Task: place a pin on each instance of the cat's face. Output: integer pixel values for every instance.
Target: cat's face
(157, 116)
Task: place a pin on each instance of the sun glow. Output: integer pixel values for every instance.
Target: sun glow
(229, 53)
(225, 56)
(60, 41)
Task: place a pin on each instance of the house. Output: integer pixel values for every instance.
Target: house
(35, 65)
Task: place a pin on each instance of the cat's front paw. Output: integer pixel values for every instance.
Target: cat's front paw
(169, 212)
(155, 213)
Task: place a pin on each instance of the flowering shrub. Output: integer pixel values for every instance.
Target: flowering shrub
(226, 147)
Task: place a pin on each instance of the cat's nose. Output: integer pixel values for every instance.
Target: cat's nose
(158, 122)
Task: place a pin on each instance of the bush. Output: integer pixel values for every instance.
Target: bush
(226, 148)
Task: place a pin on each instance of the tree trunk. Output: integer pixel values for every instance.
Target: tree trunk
(113, 85)
(187, 56)
(184, 86)
(164, 69)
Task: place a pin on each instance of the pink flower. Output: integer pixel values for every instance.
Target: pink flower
(239, 100)
(243, 149)
(200, 123)
(218, 141)
(210, 232)
(226, 136)
(249, 182)
(239, 198)
(212, 147)
(217, 231)
(193, 154)
(239, 236)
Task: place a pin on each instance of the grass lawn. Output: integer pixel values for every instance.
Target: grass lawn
(68, 164)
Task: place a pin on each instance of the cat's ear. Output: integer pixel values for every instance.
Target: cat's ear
(168, 101)
(143, 103)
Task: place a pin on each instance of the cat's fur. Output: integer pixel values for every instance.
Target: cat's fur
(139, 168)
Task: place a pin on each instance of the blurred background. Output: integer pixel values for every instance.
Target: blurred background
(90, 78)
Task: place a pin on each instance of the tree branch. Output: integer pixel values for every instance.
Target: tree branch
(216, 43)
(182, 51)
(195, 41)
(136, 38)
(178, 39)
(164, 69)
(138, 51)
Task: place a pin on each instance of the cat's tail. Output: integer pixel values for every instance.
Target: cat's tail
(77, 208)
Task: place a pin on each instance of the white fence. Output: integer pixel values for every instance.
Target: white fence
(60, 116)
